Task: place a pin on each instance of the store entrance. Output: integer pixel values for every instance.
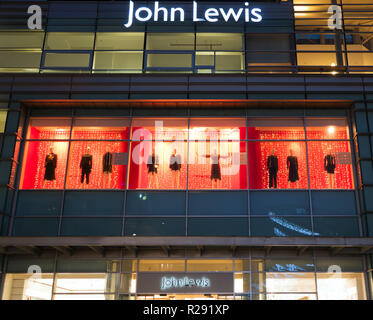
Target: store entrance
(184, 297)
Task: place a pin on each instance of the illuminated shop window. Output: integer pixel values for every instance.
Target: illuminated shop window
(67, 60)
(340, 286)
(130, 61)
(44, 165)
(3, 115)
(21, 39)
(69, 41)
(97, 165)
(119, 41)
(161, 265)
(327, 129)
(19, 61)
(170, 41)
(276, 129)
(25, 286)
(84, 286)
(209, 265)
(278, 164)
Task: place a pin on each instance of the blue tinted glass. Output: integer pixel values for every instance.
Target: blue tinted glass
(218, 227)
(93, 203)
(281, 226)
(39, 203)
(290, 265)
(279, 203)
(217, 203)
(91, 227)
(333, 203)
(155, 227)
(35, 227)
(155, 203)
(336, 227)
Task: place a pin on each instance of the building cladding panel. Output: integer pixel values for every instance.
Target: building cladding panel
(118, 231)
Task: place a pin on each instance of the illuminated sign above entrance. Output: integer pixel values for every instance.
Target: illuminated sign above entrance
(179, 14)
(172, 282)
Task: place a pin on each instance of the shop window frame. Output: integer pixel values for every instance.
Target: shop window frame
(45, 52)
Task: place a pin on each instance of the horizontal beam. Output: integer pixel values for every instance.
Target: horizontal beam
(186, 241)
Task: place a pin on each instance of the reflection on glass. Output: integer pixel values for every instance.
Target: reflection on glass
(290, 282)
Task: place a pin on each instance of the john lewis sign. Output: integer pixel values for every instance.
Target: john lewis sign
(182, 282)
(156, 12)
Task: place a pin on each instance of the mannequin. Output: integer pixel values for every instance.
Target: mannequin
(86, 166)
(107, 168)
(175, 167)
(329, 167)
(50, 166)
(292, 166)
(215, 168)
(152, 165)
(272, 167)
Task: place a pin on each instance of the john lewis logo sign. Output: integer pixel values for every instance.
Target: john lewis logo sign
(212, 14)
(184, 282)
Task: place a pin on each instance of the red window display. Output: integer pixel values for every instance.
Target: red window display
(159, 129)
(49, 129)
(278, 164)
(217, 165)
(276, 129)
(97, 165)
(100, 129)
(224, 129)
(44, 165)
(330, 165)
(327, 129)
(158, 165)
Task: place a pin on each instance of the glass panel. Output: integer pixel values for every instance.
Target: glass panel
(44, 165)
(291, 296)
(276, 129)
(170, 41)
(2, 120)
(27, 286)
(19, 59)
(279, 203)
(330, 165)
(155, 203)
(37, 227)
(39, 203)
(161, 265)
(340, 286)
(282, 227)
(100, 129)
(218, 227)
(160, 129)
(229, 61)
(217, 203)
(219, 41)
(98, 165)
(242, 265)
(209, 265)
(85, 297)
(119, 41)
(290, 282)
(69, 41)
(290, 265)
(278, 164)
(155, 227)
(91, 227)
(336, 227)
(129, 265)
(128, 282)
(21, 39)
(86, 283)
(327, 129)
(66, 60)
(114, 60)
(169, 60)
(241, 282)
(217, 165)
(49, 128)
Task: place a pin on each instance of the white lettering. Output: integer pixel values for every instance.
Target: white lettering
(156, 12)
(231, 12)
(211, 12)
(34, 22)
(130, 15)
(181, 13)
(195, 15)
(247, 12)
(148, 16)
(256, 13)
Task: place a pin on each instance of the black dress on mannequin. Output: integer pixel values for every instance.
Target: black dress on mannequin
(175, 162)
(86, 166)
(107, 162)
(329, 163)
(215, 167)
(292, 165)
(50, 166)
(272, 167)
(152, 164)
